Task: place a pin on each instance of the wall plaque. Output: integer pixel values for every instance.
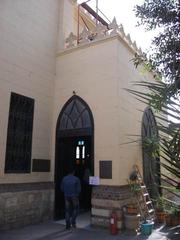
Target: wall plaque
(105, 169)
(41, 165)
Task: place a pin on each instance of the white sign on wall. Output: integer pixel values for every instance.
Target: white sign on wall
(94, 180)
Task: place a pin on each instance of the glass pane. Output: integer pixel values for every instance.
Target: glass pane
(77, 152)
(80, 143)
(75, 116)
(83, 152)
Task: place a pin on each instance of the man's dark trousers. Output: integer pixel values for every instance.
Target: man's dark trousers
(71, 207)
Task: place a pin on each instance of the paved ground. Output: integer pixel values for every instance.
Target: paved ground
(56, 231)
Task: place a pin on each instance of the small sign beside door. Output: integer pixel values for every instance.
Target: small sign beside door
(94, 180)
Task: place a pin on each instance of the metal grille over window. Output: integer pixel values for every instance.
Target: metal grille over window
(75, 118)
(19, 136)
(151, 165)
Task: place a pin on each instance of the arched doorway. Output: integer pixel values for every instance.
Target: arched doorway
(151, 164)
(74, 148)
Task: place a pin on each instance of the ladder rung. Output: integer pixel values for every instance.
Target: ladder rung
(143, 200)
(151, 211)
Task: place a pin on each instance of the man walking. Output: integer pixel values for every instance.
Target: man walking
(71, 187)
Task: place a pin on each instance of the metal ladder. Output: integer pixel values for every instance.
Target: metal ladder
(142, 197)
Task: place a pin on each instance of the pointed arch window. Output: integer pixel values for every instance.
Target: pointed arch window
(151, 165)
(149, 125)
(75, 116)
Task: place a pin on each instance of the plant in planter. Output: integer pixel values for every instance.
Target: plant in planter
(132, 208)
(159, 209)
(135, 188)
(176, 217)
(173, 216)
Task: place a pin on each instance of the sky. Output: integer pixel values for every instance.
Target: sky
(123, 11)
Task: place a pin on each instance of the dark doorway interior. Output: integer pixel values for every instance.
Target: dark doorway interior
(76, 152)
(74, 148)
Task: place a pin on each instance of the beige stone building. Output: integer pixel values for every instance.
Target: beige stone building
(63, 75)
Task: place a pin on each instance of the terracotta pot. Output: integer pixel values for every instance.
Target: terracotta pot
(131, 209)
(168, 219)
(160, 216)
(175, 221)
(172, 220)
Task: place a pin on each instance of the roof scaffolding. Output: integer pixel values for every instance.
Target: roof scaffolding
(94, 13)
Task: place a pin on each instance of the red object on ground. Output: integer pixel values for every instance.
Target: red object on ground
(113, 224)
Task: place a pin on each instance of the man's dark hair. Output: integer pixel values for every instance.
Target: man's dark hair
(70, 170)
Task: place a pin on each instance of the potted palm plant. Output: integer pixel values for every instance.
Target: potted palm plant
(172, 216)
(159, 210)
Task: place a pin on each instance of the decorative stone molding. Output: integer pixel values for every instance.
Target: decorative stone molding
(84, 36)
(114, 26)
(134, 45)
(19, 187)
(70, 40)
(140, 51)
(121, 31)
(128, 39)
(100, 32)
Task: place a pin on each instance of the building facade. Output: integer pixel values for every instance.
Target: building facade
(63, 102)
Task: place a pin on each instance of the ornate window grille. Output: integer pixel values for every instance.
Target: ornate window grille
(19, 136)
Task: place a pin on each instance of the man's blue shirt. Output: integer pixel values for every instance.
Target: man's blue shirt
(71, 186)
